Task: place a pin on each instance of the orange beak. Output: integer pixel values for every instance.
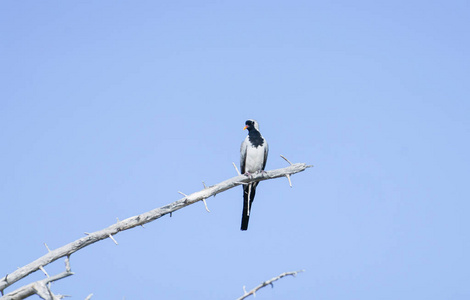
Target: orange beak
(245, 127)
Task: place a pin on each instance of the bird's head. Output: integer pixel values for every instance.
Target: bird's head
(251, 124)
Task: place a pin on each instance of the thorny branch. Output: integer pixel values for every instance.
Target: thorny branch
(269, 282)
(41, 287)
(142, 219)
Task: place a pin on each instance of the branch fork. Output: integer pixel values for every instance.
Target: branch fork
(42, 287)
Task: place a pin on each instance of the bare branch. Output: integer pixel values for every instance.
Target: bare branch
(265, 283)
(67, 264)
(39, 287)
(144, 218)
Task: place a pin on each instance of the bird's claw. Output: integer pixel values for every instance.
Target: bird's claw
(248, 174)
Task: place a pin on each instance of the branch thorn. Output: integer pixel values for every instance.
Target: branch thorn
(43, 270)
(286, 159)
(205, 204)
(111, 237)
(288, 177)
(235, 166)
(48, 250)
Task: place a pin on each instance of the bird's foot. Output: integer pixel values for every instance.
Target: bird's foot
(248, 174)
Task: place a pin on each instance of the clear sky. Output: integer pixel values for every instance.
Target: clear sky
(109, 108)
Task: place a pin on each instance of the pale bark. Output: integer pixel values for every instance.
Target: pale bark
(266, 283)
(142, 219)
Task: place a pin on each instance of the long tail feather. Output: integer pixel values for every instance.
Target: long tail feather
(248, 197)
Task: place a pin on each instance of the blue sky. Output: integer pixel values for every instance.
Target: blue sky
(109, 108)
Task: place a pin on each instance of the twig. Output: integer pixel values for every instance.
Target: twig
(67, 264)
(286, 159)
(235, 166)
(265, 283)
(287, 175)
(144, 218)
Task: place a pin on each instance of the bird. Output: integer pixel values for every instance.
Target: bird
(253, 157)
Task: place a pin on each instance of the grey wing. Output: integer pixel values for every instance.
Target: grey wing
(243, 156)
(266, 150)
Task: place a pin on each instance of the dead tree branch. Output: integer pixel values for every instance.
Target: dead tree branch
(39, 287)
(142, 219)
(269, 282)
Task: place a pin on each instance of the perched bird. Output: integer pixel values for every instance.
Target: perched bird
(253, 157)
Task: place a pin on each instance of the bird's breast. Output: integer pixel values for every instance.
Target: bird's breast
(254, 159)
